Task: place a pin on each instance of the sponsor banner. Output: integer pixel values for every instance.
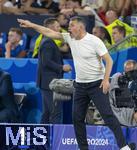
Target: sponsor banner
(98, 137)
(57, 137)
(25, 136)
(132, 135)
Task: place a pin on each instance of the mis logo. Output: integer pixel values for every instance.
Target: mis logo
(24, 135)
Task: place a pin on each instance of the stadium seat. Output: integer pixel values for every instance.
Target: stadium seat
(24, 41)
(3, 39)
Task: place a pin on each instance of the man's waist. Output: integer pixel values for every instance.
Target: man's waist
(85, 80)
(88, 83)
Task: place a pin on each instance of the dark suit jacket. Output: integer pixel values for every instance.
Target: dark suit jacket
(8, 107)
(49, 64)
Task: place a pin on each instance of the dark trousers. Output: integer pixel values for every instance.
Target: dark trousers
(52, 112)
(84, 92)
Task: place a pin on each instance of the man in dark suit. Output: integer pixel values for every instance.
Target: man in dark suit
(8, 107)
(50, 66)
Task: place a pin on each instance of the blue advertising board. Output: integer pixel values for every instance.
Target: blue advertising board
(58, 137)
(132, 135)
(98, 137)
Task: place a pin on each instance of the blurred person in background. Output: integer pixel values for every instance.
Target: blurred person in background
(121, 43)
(126, 115)
(103, 34)
(50, 66)
(63, 47)
(15, 7)
(121, 7)
(62, 4)
(63, 21)
(94, 4)
(118, 34)
(21, 7)
(113, 20)
(49, 5)
(8, 108)
(73, 7)
(115, 5)
(13, 47)
(132, 5)
(9, 3)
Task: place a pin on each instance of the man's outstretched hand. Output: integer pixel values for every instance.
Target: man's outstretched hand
(24, 23)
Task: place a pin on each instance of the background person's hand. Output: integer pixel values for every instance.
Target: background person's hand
(8, 46)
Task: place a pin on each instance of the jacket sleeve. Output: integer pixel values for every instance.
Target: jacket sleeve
(6, 86)
(7, 92)
(47, 54)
